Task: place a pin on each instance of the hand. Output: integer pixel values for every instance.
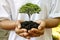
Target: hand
(21, 31)
(37, 32)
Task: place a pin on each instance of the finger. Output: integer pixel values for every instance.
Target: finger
(19, 26)
(21, 34)
(20, 30)
(34, 30)
(33, 34)
(41, 30)
(25, 30)
(36, 35)
(17, 23)
(42, 25)
(20, 21)
(25, 34)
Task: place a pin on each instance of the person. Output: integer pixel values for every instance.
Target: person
(48, 18)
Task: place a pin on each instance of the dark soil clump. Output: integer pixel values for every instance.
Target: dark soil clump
(29, 24)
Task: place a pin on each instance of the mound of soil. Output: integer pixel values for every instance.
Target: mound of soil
(29, 24)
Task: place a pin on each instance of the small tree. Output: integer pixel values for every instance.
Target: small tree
(30, 8)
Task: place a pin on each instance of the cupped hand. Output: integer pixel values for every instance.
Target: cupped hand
(34, 32)
(21, 31)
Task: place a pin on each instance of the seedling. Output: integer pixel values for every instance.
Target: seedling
(30, 9)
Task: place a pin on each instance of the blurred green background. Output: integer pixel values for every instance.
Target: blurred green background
(56, 33)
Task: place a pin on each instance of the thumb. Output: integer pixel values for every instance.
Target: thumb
(42, 25)
(18, 24)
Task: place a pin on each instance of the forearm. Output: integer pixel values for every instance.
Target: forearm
(8, 25)
(50, 23)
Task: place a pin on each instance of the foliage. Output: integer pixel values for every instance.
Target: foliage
(56, 32)
(30, 8)
(55, 38)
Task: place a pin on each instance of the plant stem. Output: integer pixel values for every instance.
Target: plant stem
(29, 16)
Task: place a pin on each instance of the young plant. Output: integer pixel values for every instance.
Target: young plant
(30, 9)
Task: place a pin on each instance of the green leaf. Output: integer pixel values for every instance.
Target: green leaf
(29, 8)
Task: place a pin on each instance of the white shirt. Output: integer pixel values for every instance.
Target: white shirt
(50, 9)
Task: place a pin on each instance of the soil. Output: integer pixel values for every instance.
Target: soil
(29, 24)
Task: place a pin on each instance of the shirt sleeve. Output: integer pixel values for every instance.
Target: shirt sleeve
(3, 13)
(55, 9)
